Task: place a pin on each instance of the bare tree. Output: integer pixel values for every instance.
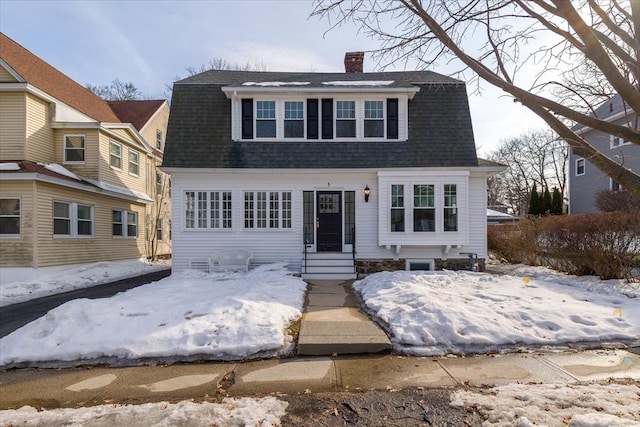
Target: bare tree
(117, 91)
(503, 41)
(536, 157)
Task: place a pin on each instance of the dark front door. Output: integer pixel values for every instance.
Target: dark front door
(329, 221)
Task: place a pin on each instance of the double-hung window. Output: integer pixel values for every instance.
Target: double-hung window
(267, 209)
(345, 119)
(207, 209)
(72, 219)
(158, 183)
(424, 212)
(115, 155)
(293, 119)
(134, 163)
(74, 148)
(580, 166)
(265, 119)
(159, 230)
(617, 141)
(158, 139)
(373, 119)
(450, 207)
(397, 207)
(10, 217)
(124, 223)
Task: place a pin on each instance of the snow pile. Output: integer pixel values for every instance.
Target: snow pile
(359, 83)
(275, 84)
(9, 167)
(524, 405)
(54, 167)
(75, 278)
(209, 316)
(435, 313)
(231, 412)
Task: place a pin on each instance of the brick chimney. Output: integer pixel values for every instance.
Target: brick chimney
(353, 62)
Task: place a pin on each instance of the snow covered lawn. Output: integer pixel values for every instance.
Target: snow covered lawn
(579, 405)
(231, 412)
(435, 313)
(75, 278)
(187, 315)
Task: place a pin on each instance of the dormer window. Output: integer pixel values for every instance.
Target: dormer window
(265, 119)
(345, 119)
(294, 119)
(373, 119)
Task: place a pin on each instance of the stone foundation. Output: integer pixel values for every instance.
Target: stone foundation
(370, 266)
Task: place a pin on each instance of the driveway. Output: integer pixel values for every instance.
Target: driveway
(15, 316)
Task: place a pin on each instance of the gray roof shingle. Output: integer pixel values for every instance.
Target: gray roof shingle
(199, 132)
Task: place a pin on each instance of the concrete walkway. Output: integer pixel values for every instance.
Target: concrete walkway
(333, 324)
(53, 388)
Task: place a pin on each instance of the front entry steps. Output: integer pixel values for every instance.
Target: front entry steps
(328, 266)
(332, 323)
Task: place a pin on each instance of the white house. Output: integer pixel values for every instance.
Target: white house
(334, 173)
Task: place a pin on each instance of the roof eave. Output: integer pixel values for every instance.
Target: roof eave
(231, 91)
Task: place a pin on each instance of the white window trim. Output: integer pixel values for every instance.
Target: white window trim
(356, 112)
(268, 211)
(73, 218)
(159, 230)
(584, 166)
(284, 120)
(64, 149)
(613, 138)
(196, 217)
(278, 113)
(19, 234)
(159, 139)
(125, 224)
(611, 181)
(111, 143)
(129, 162)
(384, 119)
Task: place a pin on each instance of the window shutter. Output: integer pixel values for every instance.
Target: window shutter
(247, 119)
(327, 119)
(392, 118)
(312, 119)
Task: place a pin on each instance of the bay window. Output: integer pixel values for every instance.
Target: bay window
(397, 207)
(450, 208)
(424, 212)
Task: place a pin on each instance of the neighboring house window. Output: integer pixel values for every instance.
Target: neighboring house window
(9, 217)
(74, 148)
(580, 167)
(159, 229)
(345, 119)
(265, 119)
(294, 119)
(134, 163)
(616, 141)
(424, 212)
(115, 155)
(397, 207)
(159, 183)
(72, 219)
(207, 209)
(614, 185)
(124, 223)
(132, 224)
(158, 139)
(450, 208)
(373, 119)
(267, 209)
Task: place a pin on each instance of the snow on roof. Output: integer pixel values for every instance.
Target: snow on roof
(358, 83)
(9, 167)
(118, 189)
(275, 84)
(491, 212)
(54, 167)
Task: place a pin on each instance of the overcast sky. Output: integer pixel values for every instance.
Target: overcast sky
(151, 42)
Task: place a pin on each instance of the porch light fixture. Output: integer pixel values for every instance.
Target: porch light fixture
(367, 193)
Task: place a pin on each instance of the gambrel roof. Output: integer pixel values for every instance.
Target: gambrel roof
(199, 132)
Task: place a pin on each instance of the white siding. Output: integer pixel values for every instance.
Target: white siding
(286, 244)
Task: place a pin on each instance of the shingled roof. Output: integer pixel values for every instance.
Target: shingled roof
(199, 132)
(136, 112)
(38, 73)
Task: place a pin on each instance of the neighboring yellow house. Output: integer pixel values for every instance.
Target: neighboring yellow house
(78, 183)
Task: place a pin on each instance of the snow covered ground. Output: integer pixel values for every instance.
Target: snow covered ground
(244, 411)
(578, 405)
(436, 313)
(187, 315)
(75, 278)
